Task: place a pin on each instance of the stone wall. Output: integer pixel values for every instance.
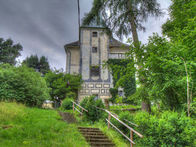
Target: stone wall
(95, 88)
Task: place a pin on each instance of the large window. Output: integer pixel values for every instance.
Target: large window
(95, 70)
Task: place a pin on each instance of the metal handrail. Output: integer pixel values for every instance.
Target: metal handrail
(140, 135)
(120, 131)
(74, 103)
(110, 114)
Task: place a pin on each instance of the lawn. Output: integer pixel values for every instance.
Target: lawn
(21, 126)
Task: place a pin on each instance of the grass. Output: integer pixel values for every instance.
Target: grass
(119, 107)
(21, 126)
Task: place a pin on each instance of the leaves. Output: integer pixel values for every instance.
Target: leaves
(9, 51)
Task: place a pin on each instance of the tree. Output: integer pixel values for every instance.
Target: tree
(41, 65)
(125, 17)
(61, 85)
(181, 29)
(181, 11)
(44, 65)
(9, 51)
(23, 85)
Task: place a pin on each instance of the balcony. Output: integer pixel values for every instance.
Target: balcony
(116, 56)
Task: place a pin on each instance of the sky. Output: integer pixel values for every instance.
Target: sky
(43, 27)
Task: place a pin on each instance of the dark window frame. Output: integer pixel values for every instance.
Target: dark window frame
(94, 49)
(95, 34)
(95, 71)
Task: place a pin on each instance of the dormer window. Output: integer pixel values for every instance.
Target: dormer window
(94, 34)
(94, 49)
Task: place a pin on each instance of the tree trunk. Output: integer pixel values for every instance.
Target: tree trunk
(188, 96)
(145, 105)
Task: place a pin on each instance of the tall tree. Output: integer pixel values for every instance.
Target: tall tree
(9, 51)
(124, 17)
(41, 65)
(181, 29)
(44, 65)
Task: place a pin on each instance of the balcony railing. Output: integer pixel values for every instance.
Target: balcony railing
(116, 55)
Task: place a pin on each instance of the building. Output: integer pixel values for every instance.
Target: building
(88, 57)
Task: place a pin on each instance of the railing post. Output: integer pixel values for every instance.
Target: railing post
(73, 106)
(109, 117)
(131, 137)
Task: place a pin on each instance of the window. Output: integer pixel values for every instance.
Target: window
(94, 71)
(94, 49)
(120, 93)
(94, 34)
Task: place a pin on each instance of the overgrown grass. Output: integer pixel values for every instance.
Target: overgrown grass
(21, 126)
(119, 107)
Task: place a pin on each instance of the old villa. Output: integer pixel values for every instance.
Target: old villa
(87, 58)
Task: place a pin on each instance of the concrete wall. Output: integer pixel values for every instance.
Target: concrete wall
(97, 85)
(73, 60)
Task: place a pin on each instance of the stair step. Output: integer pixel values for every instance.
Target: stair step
(98, 140)
(95, 136)
(101, 143)
(89, 130)
(92, 133)
(83, 128)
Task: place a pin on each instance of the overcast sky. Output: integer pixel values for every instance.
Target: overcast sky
(43, 27)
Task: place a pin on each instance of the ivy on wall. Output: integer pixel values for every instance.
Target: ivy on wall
(123, 76)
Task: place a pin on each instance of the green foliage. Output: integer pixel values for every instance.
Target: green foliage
(120, 14)
(23, 85)
(35, 127)
(181, 12)
(41, 65)
(9, 51)
(90, 104)
(114, 93)
(63, 85)
(122, 76)
(67, 104)
(166, 129)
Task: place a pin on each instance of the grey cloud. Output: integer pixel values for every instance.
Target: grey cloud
(43, 27)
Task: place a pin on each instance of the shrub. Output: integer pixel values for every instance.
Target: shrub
(168, 129)
(90, 104)
(22, 84)
(67, 104)
(71, 95)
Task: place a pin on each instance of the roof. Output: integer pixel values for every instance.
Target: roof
(73, 44)
(113, 43)
(116, 43)
(95, 23)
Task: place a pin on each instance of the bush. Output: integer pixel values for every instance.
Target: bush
(90, 104)
(71, 95)
(22, 84)
(168, 129)
(67, 104)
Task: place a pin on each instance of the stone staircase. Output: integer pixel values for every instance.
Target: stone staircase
(95, 137)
